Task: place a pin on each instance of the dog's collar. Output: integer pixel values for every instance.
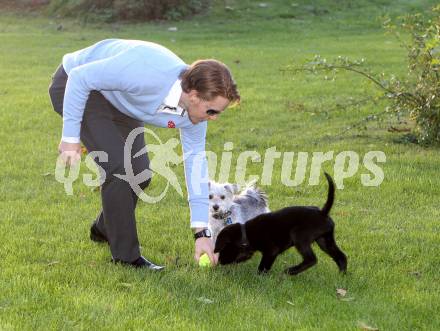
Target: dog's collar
(244, 240)
(223, 216)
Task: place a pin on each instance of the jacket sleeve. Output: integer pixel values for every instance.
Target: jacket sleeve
(196, 172)
(117, 73)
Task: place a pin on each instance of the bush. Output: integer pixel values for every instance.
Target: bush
(418, 93)
(130, 10)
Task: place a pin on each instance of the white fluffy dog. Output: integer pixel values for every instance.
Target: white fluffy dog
(227, 205)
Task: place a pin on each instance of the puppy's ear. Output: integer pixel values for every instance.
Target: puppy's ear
(221, 243)
(252, 184)
(232, 188)
(209, 185)
(236, 188)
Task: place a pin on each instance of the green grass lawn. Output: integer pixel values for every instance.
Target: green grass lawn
(53, 277)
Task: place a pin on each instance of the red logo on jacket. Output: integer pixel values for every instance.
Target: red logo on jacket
(171, 124)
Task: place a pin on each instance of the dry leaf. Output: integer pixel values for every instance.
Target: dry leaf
(52, 263)
(364, 326)
(205, 300)
(341, 292)
(342, 295)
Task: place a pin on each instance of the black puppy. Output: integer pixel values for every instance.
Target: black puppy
(272, 233)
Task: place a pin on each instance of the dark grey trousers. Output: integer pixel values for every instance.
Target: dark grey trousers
(104, 128)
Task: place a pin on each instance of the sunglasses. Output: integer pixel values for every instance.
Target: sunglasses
(212, 112)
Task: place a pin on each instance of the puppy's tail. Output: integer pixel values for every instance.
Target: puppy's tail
(331, 195)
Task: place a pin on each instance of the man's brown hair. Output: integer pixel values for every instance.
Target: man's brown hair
(210, 78)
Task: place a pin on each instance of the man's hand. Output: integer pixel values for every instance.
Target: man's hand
(70, 153)
(205, 245)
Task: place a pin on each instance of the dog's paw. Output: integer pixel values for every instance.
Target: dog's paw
(343, 268)
(263, 271)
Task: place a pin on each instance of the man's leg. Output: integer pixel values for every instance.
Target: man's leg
(101, 132)
(104, 129)
(138, 164)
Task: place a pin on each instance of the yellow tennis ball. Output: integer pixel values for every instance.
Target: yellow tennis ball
(204, 261)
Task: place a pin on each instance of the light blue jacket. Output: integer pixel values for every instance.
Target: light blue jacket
(136, 76)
